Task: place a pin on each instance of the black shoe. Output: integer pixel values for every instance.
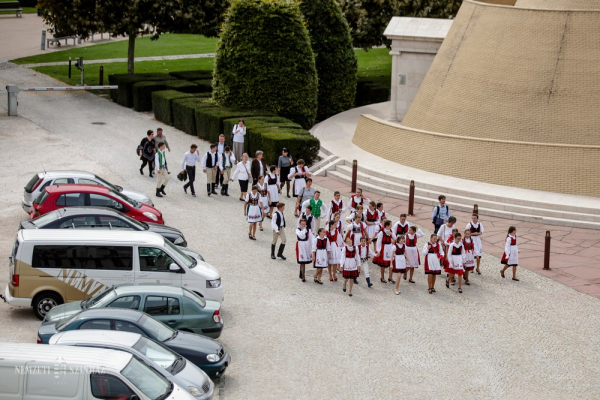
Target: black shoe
(141, 171)
(391, 281)
(213, 192)
(273, 252)
(355, 281)
(185, 190)
(209, 193)
(162, 190)
(158, 193)
(151, 176)
(280, 252)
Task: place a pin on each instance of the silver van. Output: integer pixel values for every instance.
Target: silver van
(38, 372)
(170, 364)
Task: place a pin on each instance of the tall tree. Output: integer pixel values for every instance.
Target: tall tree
(133, 17)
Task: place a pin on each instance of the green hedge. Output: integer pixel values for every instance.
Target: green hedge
(265, 61)
(256, 122)
(272, 140)
(192, 75)
(162, 103)
(368, 92)
(334, 56)
(142, 94)
(184, 113)
(183, 86)
(209, 122)
(124, 94)
(205, 85)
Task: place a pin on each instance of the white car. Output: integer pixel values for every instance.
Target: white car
(171, 365)
(43, 179)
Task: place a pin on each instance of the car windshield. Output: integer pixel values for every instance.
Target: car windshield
(100, 299)
(41, 197)
(147, 379)
(157, 353)
(159, 330)
(142, 226)
(180, 255)
(31, 184)
(126, 200)
(108, 184)
(64, 322)
(46, 219)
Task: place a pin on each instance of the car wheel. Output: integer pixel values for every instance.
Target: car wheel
(44, 302)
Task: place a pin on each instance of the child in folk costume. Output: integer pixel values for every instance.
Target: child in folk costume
(356, 230)
(455, 266)
(469, 260)
(356, 200)
(476, 230)
(374, 239)
(445, 232)
(307, 216)
(401, 227)
(399, 261)
(303, 248)
(336, 205)
(380, 210)
(273, 189)
(253, 211)
(365, 253)
(510, 258)
(319, 209)
(336, 243)
(434, 257)
(371, 218)
(264, 197)
(338, 223)
(447, 244)
(412, 253)
(359, 211)
(350, 263)
(299, 173)
(321, 253)
(385, 250)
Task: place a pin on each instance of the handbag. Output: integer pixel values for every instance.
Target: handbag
(182, 176)
(437, 220)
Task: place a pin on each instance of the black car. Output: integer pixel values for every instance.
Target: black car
(206, 353)
(100, 218)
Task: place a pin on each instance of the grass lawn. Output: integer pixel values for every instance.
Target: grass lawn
(26, 10)
(166, 45)
(375, 65)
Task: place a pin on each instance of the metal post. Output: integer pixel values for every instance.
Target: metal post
(547, 252)
(475, 209)
(43, 46)
(411, 199)
(12, 100)
(69, 67)
(354, 173)
(101, 77)
(82, 71)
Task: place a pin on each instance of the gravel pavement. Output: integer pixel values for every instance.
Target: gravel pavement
(291, 340)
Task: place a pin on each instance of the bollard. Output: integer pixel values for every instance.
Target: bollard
(43, 47)
(411, 199)
(547, 252)
(12, 91)
(354, 173)
(101, 77)
(69, 67)
(475, 209)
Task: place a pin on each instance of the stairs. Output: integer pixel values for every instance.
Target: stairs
(506, 207)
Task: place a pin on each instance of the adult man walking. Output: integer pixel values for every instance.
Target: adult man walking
(278, 225)
(258, 167)
(210, 166)
(220, 150)
(146, 152)
(161, 138)
(188, 164)
(226, 161)
(162, 176)
(440, 213)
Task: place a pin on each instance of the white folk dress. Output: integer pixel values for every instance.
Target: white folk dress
(455, 259)
(272, 181)
(304, 246)
(264, 198)
(476, 228)
(356, 231)
(335, 206)
(433, 255)
(321, 248)
(373, 217)
(412, 253)
(300, 180)
(350, 261)
(468, 257)
(399, 263)
(511, 251)
(335, 243)
(385, 248)
(253, 209)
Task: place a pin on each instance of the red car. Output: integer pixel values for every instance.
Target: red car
(59, 196)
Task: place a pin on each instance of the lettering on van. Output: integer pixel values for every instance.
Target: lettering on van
(49, 370)
(80, 281)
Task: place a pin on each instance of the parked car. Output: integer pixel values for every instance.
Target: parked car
(60, 196)
(175, 306)
(208, 354)
(30, 371)
(100, 218)
(170, 364)
(41, 180)
(51, 267)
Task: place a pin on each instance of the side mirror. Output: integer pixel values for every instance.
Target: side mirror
(174, 268)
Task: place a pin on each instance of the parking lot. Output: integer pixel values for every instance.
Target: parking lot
(288, 339)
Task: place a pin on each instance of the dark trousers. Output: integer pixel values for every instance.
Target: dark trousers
(191, 173)
(437, 228)
(150, 165)
(219, 180)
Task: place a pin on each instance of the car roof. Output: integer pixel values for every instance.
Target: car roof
(112, 313)
(132, 288)
(86, 210)
(75, 236)
(68, 174)
(77, 188)
(89, 336)
(90, 357)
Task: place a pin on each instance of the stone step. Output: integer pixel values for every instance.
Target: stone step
(466, 207)
(490, 202)
(326, 164)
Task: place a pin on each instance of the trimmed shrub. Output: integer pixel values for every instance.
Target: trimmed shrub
(265, 61)
(192, 75)
(124, 94)
(184, 113)
(368, 92)
(205, 85)
(272, 140)
(209, 122)
(334, 56)
(142, 94)
(162, 103)
(182, 86)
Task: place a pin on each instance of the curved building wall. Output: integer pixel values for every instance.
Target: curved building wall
(560, 4)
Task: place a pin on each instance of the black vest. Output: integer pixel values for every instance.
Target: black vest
(209, 160)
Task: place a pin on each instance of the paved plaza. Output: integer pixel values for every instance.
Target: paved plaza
(291, 340)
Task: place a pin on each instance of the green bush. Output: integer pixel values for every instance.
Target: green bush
(209, 122)
(142, 94)
(368, 92)
(162, 103)
(184, 113)
(272, 140)
(334, 56)
(205, 85)
(124, 94)
(255, 122)
(265, 61)
(183, 86)
(192, 75)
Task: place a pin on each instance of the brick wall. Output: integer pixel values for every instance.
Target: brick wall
(569, 169)
(559, 4)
